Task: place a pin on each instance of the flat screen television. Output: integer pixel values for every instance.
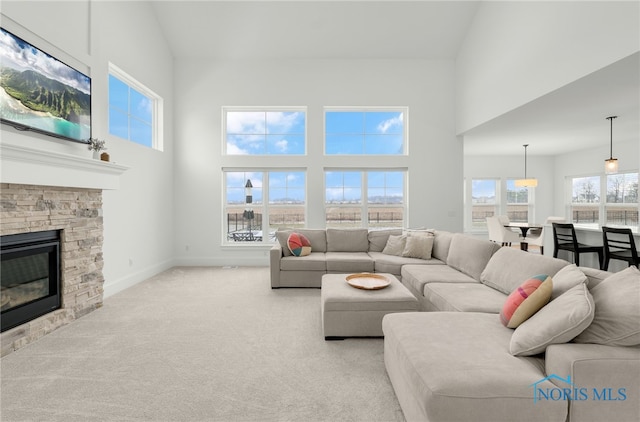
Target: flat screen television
(41, 93)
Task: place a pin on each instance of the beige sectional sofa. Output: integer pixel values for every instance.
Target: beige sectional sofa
(576, 359)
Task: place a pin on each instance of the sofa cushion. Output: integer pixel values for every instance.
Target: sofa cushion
(508, 267)
(559, 321)
(617, 313)
(567, 278)
(378, 238)
(470, 255)
(416, 276)
(395, 245)
(298, 244)
(462, 297)
(317, 238)
(393, 264)
(349, 262)
(526, 300)
(347, 240)
(315, 261)
(418, 246)
(441, 244)
(456, 366)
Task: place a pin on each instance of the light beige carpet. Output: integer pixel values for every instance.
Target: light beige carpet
(199, 344)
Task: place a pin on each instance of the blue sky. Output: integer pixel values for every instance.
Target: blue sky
(283, 132)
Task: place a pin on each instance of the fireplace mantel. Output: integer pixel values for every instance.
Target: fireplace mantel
(24, 165)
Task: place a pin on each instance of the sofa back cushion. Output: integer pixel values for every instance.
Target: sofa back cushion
(347, 240)
(317, 238)
(441, 244)
(378, 238)
(470, 255)
(509, 267)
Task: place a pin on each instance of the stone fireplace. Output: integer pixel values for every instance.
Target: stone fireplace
(77, 213)
(45, 190)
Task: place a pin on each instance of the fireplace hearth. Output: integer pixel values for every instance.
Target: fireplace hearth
(30, 276)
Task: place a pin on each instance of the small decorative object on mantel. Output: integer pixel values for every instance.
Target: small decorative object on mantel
(96, 145)
(104, 156)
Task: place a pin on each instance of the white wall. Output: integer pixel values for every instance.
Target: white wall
(518, 51)
(426, 87)
(138, 218)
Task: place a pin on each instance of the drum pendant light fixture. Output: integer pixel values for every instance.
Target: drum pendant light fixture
(611, 164)
(526, 183)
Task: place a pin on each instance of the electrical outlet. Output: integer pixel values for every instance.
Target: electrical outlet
(131, 262)
(186, 248)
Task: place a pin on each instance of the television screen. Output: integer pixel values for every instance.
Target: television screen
(41, 93)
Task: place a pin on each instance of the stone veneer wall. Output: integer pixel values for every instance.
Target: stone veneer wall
(78, 213)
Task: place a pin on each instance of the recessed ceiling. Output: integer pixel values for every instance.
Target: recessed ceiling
(315, 29)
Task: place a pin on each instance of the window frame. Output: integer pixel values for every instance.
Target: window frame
(157, 108)
(355, 109)
(263, 109)
(261, 206)
(363, 204)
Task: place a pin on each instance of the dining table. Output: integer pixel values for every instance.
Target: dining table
(524, 229)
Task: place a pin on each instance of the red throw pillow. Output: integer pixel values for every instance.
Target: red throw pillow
(298, 244)
(526, 300)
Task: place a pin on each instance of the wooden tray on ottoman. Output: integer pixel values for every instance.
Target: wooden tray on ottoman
(368, 281)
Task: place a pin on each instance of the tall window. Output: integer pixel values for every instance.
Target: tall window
(384, 206)
(585, 199)
(484, 202)
(265, 131)
(365, 131)
(278, 195)
(621, 206)
(134, 110)
(517, 202)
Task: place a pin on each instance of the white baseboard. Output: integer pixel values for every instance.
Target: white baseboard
(115, 286)
(221, 262)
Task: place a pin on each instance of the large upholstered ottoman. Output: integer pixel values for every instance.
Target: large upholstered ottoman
(351, 312)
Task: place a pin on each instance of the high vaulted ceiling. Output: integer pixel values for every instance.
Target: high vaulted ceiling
(573, 117)
(315, 29)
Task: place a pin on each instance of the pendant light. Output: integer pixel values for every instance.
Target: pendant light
(611, 164)
(526, 183)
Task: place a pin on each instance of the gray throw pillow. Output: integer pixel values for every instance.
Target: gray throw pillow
(395, 245)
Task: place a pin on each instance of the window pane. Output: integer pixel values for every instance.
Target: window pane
(118, 123)
(483, 198)
(386, 217)
(141, 106)
(343, 187)
(622, 188)
(343, 144)
(132, 115)
(344, 122)
(265, 132)
(384, 122)
(118, 94)
(586, 189)
(364, 132)
(141, 132)
(516, 195)
(344, 217)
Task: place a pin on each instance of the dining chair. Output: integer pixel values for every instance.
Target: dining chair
(564, 238)
(537, 238)
(619, 244)
(499, 233)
